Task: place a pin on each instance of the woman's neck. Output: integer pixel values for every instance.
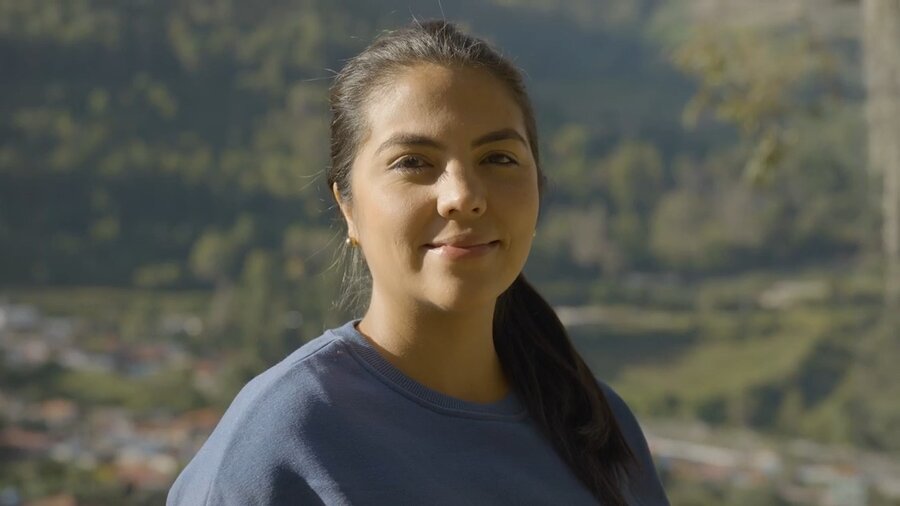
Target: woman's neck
(450, 352)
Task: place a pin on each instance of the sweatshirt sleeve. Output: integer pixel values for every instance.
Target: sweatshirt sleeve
(243, 460)
(243, 464)
(226, 487)
(645, 488)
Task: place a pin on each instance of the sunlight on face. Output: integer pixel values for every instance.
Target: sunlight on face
(445, 189)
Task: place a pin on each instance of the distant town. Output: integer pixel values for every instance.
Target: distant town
(145, 452)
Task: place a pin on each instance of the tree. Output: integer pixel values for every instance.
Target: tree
(752, 80)
(881, 41)
(217, 256)
(877, 414)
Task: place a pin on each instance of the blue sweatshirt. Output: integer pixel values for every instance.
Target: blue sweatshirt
(335, 423)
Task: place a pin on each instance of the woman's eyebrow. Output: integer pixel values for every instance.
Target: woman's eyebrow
(404, 139)
(407, 139)
(499, 135)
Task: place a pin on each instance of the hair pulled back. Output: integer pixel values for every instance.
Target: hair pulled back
(546, 372)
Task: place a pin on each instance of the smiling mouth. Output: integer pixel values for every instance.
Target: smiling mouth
(457, 251)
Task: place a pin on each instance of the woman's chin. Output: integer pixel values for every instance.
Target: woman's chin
(463, 296)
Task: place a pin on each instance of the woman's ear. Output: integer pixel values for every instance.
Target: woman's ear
(347, 212)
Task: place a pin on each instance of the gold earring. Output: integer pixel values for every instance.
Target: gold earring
(351, 242)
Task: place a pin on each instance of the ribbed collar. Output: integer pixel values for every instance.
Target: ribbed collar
(509, 408)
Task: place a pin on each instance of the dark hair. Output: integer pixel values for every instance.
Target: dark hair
(534, 349)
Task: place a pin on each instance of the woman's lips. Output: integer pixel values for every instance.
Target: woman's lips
(455, 252)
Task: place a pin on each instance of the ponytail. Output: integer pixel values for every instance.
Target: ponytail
(560, 392)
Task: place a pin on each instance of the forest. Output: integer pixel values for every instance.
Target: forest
(717, 232)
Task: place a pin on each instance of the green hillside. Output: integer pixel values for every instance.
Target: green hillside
(166, 158)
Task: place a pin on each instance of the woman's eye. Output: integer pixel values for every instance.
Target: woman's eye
(410, 163)
(500, 159)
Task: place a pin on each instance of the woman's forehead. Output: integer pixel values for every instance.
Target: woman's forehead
(436, 100)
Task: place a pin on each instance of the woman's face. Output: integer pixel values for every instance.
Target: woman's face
(444, 189)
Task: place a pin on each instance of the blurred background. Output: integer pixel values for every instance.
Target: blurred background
(720, 235)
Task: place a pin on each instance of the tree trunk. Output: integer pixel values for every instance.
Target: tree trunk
(881, 45)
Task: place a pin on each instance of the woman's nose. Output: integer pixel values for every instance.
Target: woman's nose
(460, 193)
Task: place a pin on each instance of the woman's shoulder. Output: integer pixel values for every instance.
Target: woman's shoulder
(295, 364)
(295, 373)
(298, 380)
(620, 408)
(645, 487)
(258, 426)
(625, 417)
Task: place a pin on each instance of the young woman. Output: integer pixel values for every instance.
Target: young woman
(459, 384)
